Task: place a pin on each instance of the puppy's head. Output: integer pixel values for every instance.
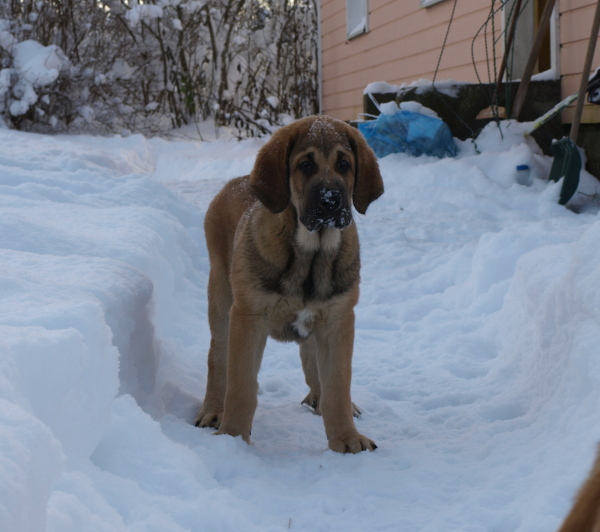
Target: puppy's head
(321, 166)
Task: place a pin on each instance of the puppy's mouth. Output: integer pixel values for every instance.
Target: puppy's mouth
(326, 208)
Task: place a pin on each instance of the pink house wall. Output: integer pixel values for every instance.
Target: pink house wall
(405, 40)
(575, 26)
(403, 45)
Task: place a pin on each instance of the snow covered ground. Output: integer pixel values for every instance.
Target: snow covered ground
(476, 359)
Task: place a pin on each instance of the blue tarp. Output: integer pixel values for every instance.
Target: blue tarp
(408, 132)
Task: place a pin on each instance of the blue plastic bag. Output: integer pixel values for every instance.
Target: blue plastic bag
(405, 131)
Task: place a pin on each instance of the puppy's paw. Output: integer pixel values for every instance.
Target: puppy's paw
(208, 418)
(312, 401)
(354, 443)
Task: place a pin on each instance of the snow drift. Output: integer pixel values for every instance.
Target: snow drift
(475, 359)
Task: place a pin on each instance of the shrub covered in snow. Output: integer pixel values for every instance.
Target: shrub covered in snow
(119, 65)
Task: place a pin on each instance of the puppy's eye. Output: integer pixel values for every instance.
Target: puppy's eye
(306, 167)
(343, 165)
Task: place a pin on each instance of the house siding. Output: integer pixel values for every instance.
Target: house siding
(405, 40)
(575, 26)
(403, 45)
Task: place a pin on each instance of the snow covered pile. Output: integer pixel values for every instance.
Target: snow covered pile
(34, 66)
(475, 361)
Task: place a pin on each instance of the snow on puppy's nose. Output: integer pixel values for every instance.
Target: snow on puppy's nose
(330, 200)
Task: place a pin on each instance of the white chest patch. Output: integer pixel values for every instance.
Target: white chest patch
(328, 238)
(303, 323)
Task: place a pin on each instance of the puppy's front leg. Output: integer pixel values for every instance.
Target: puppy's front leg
(334, 358)
(219, 304)
(247, 341)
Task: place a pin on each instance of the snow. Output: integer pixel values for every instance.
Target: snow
(416, 107)
(380, 87)
(122, 70)
(391, 108)
(7, 41)
(449, 87)
(143, 12)
(36, 66)
(475, 361)
(546, 75)
(273, 101)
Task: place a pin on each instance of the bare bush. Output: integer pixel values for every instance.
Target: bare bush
(125, 65)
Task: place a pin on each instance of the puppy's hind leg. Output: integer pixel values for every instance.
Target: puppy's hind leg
(308, 355)
(219, 305)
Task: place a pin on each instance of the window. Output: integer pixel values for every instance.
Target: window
(357, 18)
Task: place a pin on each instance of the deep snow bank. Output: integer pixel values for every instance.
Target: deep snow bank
(91, 259)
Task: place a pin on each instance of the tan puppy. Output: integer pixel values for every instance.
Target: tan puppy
(585, 514)
(284, 262)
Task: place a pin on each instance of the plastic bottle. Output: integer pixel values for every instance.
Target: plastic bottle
(524, 175)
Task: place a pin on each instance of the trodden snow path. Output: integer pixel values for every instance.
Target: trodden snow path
(476, 357)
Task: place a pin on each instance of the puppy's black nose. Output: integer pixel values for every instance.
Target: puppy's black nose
(330, 200)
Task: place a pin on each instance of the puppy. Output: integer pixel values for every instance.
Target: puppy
(284, 262)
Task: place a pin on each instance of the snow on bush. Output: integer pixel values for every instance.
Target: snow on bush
(145, 12)
(35, 67)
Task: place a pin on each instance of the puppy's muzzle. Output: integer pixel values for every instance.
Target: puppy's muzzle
(326, 207)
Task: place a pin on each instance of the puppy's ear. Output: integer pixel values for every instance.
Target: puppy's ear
(270, 177)
(368, 185)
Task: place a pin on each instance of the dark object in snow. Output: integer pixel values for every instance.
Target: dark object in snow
(567, 159)
(567, 164)
(593, 88)
(408, 132)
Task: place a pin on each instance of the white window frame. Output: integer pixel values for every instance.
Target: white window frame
(524, 37)
(427, 3)
(357, 18)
